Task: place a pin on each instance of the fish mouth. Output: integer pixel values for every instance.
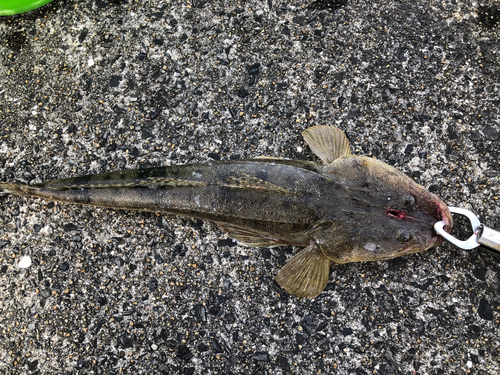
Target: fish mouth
(442, 213)
(434, 210)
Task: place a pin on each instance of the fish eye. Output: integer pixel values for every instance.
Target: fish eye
(409, 200)
(403, 235)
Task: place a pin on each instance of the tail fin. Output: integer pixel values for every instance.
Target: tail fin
(8, 188)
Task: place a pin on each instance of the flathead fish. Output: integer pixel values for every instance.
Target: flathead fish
(344, 209)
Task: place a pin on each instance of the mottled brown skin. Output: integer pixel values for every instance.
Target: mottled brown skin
(346, 209)
(341, 206)
(385, 215)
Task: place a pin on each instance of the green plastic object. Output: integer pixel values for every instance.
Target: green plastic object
(11, 7)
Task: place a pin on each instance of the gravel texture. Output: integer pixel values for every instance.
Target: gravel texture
(92, 86)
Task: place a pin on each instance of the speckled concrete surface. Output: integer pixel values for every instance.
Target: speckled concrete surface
(92, 86)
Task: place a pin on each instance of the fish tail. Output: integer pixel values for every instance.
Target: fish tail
(10, 188)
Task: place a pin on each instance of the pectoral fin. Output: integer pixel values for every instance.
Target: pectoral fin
(327, 142)
(306, 274)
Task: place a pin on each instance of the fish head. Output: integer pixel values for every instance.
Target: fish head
(385, 213)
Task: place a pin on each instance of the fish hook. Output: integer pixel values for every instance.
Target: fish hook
(482, 235)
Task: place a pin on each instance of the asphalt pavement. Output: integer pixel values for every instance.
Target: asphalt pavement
(95, 86)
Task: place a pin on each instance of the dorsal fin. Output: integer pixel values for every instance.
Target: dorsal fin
(269, 157)
(124, 184)
(327, 142)
(245, 181)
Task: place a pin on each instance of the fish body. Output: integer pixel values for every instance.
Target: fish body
(346, 209)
